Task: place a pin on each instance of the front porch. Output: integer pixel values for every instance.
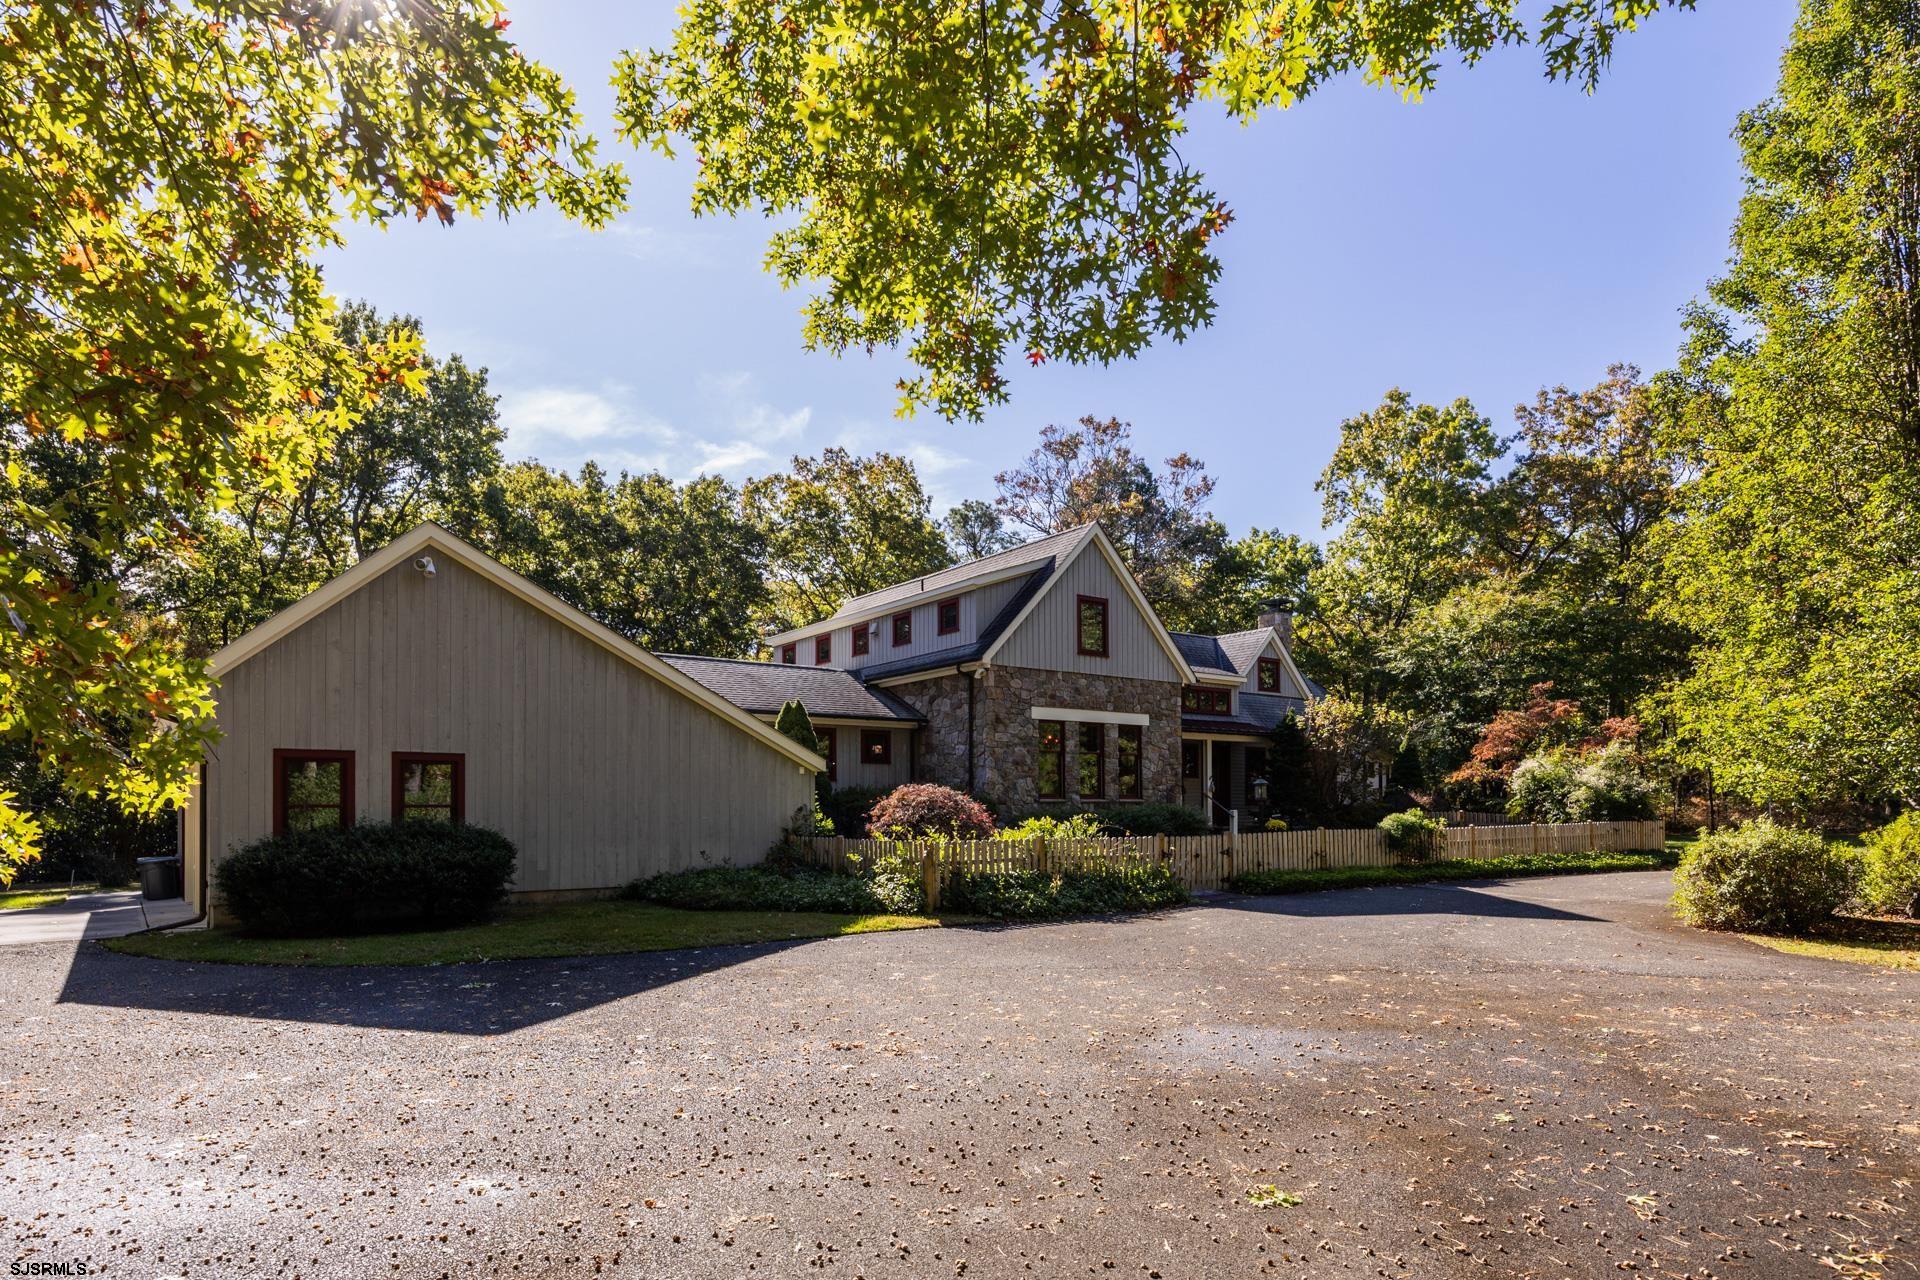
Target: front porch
(1222, 774)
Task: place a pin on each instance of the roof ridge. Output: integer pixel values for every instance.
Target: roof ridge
(965, 564)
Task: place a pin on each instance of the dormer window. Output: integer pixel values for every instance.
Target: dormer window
(948, 614)
(902, 629)
(1269, 677)
(823, 649)
(1090, 616)
(789, 654)
(860, 635)
(1209, 702)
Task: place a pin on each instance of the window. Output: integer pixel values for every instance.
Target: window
(1269, 679)
(860, 634)
(1190, 760)
(876, 746)
(1126, 776)
(789, 654)
(1091, 628)
(1050, 777)
(1211, 702)
(823, 650)
(1093, 761)
(830, 748)
(902, 629)
(427, 787)
(947, 612)
(312, 789)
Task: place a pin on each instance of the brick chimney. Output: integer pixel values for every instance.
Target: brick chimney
(1278, 614)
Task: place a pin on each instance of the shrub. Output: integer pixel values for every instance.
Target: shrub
(366, 878)
(1611, 786)
(1762, 878)
(920, 809)
(1890, 867)
(1039, 895)
(1080, 826)
(1608, 785)
(1412, 836)
(847, 808)
(776, 889)
(1542, 788)
(1155, 819)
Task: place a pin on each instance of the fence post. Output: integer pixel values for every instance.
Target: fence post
(1533, 837)
(1160, 847)
(1040, 854)
(1473, 842)
(930, 880)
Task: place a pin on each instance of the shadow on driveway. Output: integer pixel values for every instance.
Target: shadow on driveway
(1458, 898)
(481, 999)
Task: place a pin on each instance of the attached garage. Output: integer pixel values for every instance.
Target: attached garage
(431, 681)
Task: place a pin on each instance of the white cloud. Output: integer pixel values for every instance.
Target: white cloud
(567, 426)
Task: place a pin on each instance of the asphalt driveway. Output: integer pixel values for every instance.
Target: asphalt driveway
(1539, 1079)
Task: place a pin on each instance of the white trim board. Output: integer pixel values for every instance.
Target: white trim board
(1074, 716)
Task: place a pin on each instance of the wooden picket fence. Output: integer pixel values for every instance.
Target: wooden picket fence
(1208, 862)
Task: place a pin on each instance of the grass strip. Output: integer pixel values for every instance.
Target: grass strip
(520, 932)
(1544, 864)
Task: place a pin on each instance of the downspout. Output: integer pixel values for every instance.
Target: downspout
(972, 679)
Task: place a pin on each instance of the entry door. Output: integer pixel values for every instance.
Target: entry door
(1223, 797)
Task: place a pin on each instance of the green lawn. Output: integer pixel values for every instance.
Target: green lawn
(570, 929)
(1891, 944)
(1545, 864)
(44, 896)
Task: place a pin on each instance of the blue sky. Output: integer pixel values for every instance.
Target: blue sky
(1502, 235)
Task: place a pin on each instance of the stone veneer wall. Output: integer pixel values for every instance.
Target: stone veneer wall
(1006, 741)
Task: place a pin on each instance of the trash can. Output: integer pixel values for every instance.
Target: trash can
(159, 877)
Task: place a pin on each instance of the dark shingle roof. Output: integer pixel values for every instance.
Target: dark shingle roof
(911, 591)
(762, 687)
(1229, 655)
(1257, 713)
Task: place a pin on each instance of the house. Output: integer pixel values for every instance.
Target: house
(1042, 676)
(430, 681)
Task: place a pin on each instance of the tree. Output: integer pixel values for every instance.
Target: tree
(675, 568)
(409, 457)
(1409, 483)
(1594, 481)
(1798, 558)
(168, 177)
(794, 722)
(1251, 574)
(974, 529)
(839, 526)
(1158, 521)
(983, 180)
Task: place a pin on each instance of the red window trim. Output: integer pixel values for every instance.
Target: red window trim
(457, 812)
(1267, 680)
(860, 636)
(823, 649)
(282, 755)
(881, 737)
(830, 748)
(789, 654)
(940, 616)
(1079, 628)
(1134, 734)
(903, 620)
(1099, 791)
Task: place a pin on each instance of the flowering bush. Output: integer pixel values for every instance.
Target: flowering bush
(927, 809)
